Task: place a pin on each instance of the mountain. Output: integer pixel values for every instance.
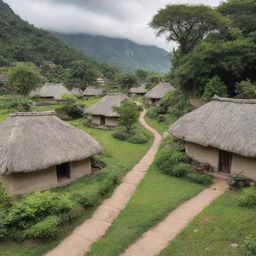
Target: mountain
(21, 41)
(121, 53)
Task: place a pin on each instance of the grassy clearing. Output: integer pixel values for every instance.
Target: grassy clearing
(154, 198)
(161, 127)
(214, 230)
(117, 159)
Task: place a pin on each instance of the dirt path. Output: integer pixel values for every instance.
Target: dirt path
(157, 238)
(93, 229)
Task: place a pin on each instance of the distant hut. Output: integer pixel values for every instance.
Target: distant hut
(50, 64)
(76, 92)
(40, 151)
(221, 133)
(92, 92)
(50, 93)
(3, 79)
(102, 112)
(102, 81)
(158, 92)
(141, 90)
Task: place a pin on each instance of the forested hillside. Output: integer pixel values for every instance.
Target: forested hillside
(122, 53)
(20, 41)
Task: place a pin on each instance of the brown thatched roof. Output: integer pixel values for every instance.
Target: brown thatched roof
(104, 107)
(35, 141)
(76, 91)
(159, 91)
(92, 91)
(48, 90)
(140, 90)
(226, 124)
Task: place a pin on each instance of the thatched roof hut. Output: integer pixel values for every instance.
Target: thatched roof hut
(104, 107)
(139, 90)
(225, 124)
(92, 91)
(76, 92)
(33, 141)
(48, 90)
(159, 91)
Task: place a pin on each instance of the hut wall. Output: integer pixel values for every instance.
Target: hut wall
(80, 168)
(22, 183)
(111, 121)
(48, 100)
(96, 120)
(243, 165)
(202, 154)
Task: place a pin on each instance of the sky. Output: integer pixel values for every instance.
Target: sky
(113, 18)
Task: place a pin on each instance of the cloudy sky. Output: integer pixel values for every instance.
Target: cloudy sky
(115, 18)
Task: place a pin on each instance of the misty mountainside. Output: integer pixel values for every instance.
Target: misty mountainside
(21, 42)
(121, 53)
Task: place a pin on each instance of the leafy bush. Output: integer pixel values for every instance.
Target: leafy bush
(204, 179)
(45, 229)
(152, 112)
(214, 87)
(120, 133)
(86, 198)
(246, 90)
(247, 198)
(86, 121)
(35, 207)
(21, 105)
(5, 199)
(70, 111)
(250, 246)
(105, 187)
(68, 98)
(98, 161)
(181, 169)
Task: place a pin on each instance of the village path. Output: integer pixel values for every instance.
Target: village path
(93, 229)
(157, 238)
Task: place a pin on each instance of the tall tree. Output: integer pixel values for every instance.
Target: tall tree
(126, 81)
(187, 25)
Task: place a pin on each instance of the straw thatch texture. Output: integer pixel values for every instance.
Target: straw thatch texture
(139, 90)
(159, 91)
(36, 141)
(104, 107)
(76, 91)
(55, 91)
(92, 91)
(226, 124)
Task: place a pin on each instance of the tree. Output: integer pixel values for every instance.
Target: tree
(214, 87)
(81, 74)
(141, 74)
(246, 90)
(129, 114)
(23, 78)
(152, 80)
(187, 25)
(107, 71)
(126, 81)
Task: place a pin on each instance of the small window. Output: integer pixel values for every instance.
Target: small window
(102, 120)
(63, 172)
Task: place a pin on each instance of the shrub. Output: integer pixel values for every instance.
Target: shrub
(204, 179)
(68, 98)
(120, 133)
(105, 187)
(139, 137)
(247, 198)
(86, 198)
(5, 199)
(250, 246)
(214, 87)
(181, 169)
(86, 121)
(98, 162)
(70, 111)
(45, 229)
(152, 112)
(21, 105)
(246, 90)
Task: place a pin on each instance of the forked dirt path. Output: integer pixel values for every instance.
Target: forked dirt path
(81, 239)
(157, 238)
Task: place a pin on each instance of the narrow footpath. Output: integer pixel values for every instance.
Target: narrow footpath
(157, 238)
(81, 239)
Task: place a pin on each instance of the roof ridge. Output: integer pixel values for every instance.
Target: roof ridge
(232, 100)
(46, 113)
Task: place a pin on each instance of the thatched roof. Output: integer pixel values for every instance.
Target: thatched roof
(159, 91)
(104, 107)
(76, 91)
(48, 90)
(92, 91)
(226, 124)
(140, 90)
(35, 141)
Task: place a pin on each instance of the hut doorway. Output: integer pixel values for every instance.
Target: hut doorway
(225, 160)
(102, 120)
(63, 172)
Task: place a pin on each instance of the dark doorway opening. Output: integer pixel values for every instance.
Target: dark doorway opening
(102, 120)
(225, 160)
(63, 172)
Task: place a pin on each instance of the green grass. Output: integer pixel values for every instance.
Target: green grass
(121, 156)
(161, 127)
(214, 229)
(154, 198)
